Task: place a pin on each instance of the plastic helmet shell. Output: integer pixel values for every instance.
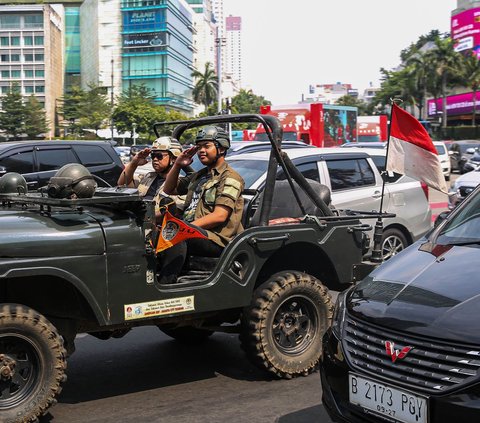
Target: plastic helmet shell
(215, 134)
(169, 144)
(73, 179)
(13, 183)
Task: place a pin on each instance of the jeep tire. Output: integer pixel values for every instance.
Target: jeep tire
(283, 327)
(32, 363)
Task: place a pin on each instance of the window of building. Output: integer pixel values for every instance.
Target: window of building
(4, 41)
(28, 40)
(39, 89)
(4, 90)
(16, 73)
(15, 58)
(28, 57)
(15, 41)
(39, 73)
(8, 21)
(28, 73)
(28, 89)
(39, 40)
(4, 57)
(39, 57)
(33, 21)
(5, 74)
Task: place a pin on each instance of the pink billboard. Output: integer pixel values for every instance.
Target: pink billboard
(456, 105)
(466, 31)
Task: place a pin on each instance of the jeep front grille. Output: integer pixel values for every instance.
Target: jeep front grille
(430, 365)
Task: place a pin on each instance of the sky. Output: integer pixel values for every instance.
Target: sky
(288, 45)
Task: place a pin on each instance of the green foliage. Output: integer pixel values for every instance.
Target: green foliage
(71, 108)
(94, 109)
(12, 115)
(206, 85)
(362, 106)
(35, 122)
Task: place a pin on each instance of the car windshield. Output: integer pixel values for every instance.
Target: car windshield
(250, 170)
(464, 228)
(440, 149)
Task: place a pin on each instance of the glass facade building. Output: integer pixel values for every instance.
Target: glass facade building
(72, 48)
(157, 50)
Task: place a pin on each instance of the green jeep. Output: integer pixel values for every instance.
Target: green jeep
(87, 265)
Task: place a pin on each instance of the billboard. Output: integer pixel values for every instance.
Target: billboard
(153, 40)
(143, 20)
(465, 28)
(456, 105)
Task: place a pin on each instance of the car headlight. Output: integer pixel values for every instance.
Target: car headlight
(339, 314)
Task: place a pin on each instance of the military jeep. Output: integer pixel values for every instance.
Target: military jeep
(87, 265)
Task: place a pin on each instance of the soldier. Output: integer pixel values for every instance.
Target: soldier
(163, 153)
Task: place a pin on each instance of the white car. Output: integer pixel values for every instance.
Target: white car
(355, 183)
(444, 158)
(463, 186)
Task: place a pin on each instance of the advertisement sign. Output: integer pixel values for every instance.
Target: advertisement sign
(466, 31)
(148, 40)
(459, 104)
(141, 20)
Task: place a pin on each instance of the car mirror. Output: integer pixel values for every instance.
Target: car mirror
(440, 218)
(451, 152)
(3, 170)
(470, 150)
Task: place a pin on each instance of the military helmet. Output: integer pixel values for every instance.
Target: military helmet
(214, 133)
(13, 183)
(169, 144)
(72, 180)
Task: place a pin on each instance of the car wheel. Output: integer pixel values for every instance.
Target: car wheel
(393, 241)
(187, 334)
(33, 363)
(283, 327)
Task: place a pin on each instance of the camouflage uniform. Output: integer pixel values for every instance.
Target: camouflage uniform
(143, 183)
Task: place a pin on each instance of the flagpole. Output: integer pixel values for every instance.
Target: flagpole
(377, 256)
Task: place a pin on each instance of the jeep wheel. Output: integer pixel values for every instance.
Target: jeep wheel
(283, 327)
(188, 334)
(32, 363)
(393, 241)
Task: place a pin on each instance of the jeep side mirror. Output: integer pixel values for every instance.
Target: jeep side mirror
(440, 218)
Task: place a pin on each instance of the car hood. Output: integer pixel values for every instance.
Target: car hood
(470, 178)
(427, 290)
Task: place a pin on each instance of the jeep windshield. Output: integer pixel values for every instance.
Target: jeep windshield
(464, 227)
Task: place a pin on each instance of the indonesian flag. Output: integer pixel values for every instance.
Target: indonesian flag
(411, 151)
(175, 230)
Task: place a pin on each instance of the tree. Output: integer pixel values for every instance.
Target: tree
(471, 75)
(348, 100)
(71, 107)
(94, 109)
(206, 85)
(35, 118)
(12, 116)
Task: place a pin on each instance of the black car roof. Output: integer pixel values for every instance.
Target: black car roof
(8, 144)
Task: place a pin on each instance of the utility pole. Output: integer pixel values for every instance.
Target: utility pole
(219, 42)
(111, 102)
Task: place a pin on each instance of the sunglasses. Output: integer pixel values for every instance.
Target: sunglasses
(158, 155)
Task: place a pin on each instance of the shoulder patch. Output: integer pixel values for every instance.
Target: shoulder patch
(231, 182)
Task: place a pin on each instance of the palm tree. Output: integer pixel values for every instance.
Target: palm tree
(471, 77)
(206, 86)
(420, 69)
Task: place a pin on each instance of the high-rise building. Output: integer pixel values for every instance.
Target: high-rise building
(72, 48)
(31, 54)
(233, 55)
(158, 50)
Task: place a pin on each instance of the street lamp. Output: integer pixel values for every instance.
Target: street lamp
(134, 126)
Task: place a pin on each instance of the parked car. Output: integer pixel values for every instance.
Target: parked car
(460, 152)
(473, 162)
(404, 344)
(355, 183)
(372, 144)
(463, 186)
(38, 161)
(444, 158)
(123, 152)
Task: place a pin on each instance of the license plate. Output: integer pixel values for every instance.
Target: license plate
(387, 401)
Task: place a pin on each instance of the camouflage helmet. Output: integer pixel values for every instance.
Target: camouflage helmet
(214, 133)
(13, 183)
(169, 144)
(72, 180)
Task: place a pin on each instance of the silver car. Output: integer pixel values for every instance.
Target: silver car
(463, 186)
(355, 183)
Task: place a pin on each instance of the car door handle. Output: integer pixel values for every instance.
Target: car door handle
(377, 194)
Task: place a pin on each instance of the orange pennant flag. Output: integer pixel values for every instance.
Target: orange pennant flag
(175, 230)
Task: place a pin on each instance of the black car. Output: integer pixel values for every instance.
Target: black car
(460, 152)
(38, 161)
(404, 345)
(473, 162)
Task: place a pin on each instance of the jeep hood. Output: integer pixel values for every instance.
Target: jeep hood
(428, 290)
(27, 233)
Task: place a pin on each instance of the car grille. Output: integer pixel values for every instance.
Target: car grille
(430, 365)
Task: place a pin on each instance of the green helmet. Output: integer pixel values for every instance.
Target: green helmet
(13, 183)
(214, 133)
(70, 181)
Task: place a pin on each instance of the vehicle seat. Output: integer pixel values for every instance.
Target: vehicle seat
(284, 203)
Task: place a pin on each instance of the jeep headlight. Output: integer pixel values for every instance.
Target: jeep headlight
(339, 314)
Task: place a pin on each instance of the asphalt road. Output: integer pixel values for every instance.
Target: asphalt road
(147, 377)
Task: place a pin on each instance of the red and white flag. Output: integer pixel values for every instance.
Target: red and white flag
(411, 151)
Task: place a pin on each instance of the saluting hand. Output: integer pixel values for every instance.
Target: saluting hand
(141, 157)
(186, 157)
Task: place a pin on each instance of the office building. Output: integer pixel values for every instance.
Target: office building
(233, 54)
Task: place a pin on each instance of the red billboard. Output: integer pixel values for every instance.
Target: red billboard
(466, 31)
